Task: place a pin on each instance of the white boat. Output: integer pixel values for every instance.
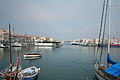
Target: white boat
(2, 46)
(75, 43)
(44, 44)
(29, 73)
(31, 58)
(16, 44)
(32, 55)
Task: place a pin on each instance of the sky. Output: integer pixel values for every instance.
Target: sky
(60, 19)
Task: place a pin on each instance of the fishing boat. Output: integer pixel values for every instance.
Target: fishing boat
(30, 73)
(10, 73)
(110, 70)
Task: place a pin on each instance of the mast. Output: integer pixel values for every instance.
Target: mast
(101, 24)
(10, 46)
(18, 63)
(101, 21)
(109, 14)
(105, 19)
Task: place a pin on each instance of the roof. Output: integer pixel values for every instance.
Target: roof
(21, 35)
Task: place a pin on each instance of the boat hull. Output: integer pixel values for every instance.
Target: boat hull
(45, 44)
(30, 73)
(99, 76)
(31, 78)
(115, 45)
(111, 45)
(32, 55)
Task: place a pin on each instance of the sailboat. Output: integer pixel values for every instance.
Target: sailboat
(10, 72)
(110, 70)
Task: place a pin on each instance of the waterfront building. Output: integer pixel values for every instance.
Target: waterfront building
(25, 40)
(3, 36)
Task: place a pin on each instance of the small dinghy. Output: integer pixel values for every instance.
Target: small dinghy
(29, 73)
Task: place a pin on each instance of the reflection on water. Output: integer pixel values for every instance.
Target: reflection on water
(1, 53)
(114, 52)
(66, 63)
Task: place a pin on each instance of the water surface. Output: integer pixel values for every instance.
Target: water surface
(66, 63)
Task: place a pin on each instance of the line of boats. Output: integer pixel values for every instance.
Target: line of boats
(99, 45)
(53, 44)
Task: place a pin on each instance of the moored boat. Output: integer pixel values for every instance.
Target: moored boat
(10, 73)
(16, 44)
(75, 43)
(114, 45)
(108, 70)
(31, 58)
(111, 45)
(2, 46)
(32, 55)
(104, 72)
(29, 73)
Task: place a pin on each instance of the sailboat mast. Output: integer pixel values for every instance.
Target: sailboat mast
(10, 44)
(101, 22)
(109, 14)
(104, 27)
(101, 25)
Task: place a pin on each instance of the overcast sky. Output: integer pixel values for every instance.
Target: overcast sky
(61, 19)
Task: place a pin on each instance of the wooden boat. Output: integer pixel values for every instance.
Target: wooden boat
(111, 69)
(102, 73)
(10, 73)
(30, 73)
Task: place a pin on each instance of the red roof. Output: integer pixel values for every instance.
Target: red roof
(20, 35)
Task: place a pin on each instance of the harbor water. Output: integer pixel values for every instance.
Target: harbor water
(69, 62)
